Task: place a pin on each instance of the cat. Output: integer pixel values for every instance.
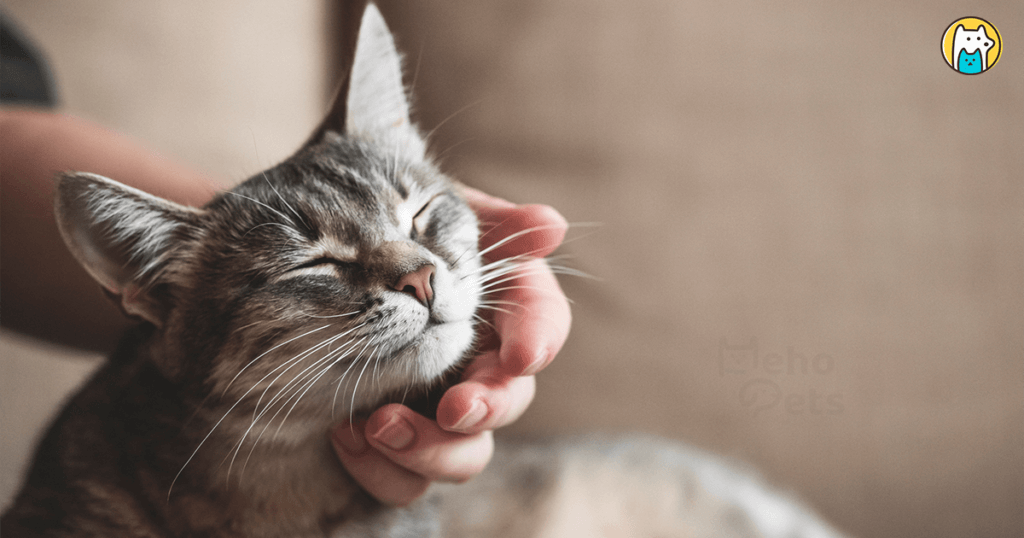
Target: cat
(342, 278)
(969, 63)
(970, 49)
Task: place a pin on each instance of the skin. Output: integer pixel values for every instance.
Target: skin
(396, 453)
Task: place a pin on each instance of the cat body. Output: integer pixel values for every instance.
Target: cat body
(128, 419)
(970, 49)
(343, 278)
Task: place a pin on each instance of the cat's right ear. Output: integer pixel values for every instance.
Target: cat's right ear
(371, 101)
(128, 240)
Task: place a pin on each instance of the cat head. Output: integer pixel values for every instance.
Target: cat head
(971, 40)
(342, 275)
(970, 62)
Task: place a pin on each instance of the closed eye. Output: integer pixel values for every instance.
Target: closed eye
(324, 260)
(422, 209)
(422, 217)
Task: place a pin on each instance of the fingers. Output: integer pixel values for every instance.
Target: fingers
(479, 199)
(501, 219)
(398, 452)
(486, 399)
(379, 476)
(532, 332)
(538, 230)
(420, 445)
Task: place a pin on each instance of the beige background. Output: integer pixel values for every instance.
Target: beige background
(810, 181)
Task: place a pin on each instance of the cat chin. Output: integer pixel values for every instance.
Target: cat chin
(438, 349)
(417, 366)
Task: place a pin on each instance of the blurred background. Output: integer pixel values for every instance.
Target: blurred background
(811, 255)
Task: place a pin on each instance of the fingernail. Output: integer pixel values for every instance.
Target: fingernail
(476, 414)
(349, 439)
(397, 434)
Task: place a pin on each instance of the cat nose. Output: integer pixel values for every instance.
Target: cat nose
(417, 284)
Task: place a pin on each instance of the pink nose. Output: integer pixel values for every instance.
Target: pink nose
(417, 284)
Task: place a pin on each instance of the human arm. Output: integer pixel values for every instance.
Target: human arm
(45, 292)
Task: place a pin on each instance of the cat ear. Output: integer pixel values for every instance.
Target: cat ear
(377, 103)
(372, 101)
(125, 238)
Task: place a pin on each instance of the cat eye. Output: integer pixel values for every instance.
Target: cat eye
(324, 260)
(422, 209)
(422, 217)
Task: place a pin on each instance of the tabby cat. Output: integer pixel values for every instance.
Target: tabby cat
(340, 279)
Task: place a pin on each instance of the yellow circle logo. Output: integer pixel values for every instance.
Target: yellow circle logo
(971, 45)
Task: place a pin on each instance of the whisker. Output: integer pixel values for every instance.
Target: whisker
(309, 384)
(334, 402)
(270, 404)
(502, 264)
(489, 282)
(331, 317)
(258, 322)
(517, 235)
(268, 351)
(192, 456)
(285, 202)
(485, 322)
(535, 288)
(487, 302)
(345, 374)
(304, 354)
(375, 378)
(253, 200)
(405, 392)
(257, 415)
(440, 156)
(304, 374)
(355, 389)
(530, 230)
(495, 308)
(450, 116)
(285, 226)
(293, 361)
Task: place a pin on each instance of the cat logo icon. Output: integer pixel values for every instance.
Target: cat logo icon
(971, 45)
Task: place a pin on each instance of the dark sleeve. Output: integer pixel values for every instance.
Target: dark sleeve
(24, 75)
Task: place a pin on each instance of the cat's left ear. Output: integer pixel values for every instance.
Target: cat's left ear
(131, 242)
(372, 101)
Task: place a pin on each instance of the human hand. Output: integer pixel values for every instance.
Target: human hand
(397, 452)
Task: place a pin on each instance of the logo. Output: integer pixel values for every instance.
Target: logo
(784, 382)
(971, 45)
